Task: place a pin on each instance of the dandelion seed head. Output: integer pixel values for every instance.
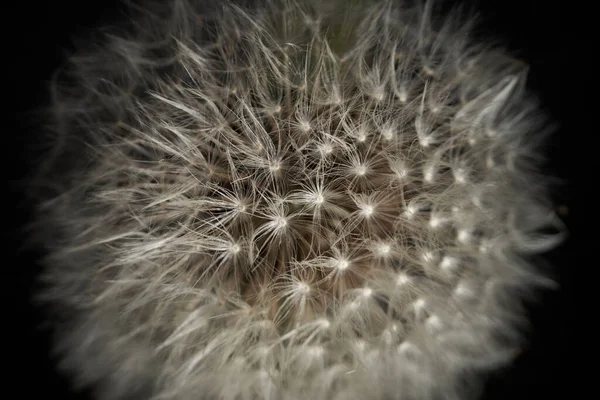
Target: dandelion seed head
(294, 199)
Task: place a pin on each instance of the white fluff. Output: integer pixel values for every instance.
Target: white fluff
(302, 199)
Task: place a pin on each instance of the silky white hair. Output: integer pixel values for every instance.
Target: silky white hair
(294, 199)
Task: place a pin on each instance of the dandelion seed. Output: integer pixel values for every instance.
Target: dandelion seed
(361, 170)
(448, 263)
(342, 264)
(387, 133)
(402, 279)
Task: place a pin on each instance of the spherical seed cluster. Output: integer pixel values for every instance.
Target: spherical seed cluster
(312, 199)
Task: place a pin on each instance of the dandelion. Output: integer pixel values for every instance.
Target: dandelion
(296, 199)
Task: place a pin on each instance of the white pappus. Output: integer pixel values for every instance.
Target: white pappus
(293, 199)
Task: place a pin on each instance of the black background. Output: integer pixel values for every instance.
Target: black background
(532, 29)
